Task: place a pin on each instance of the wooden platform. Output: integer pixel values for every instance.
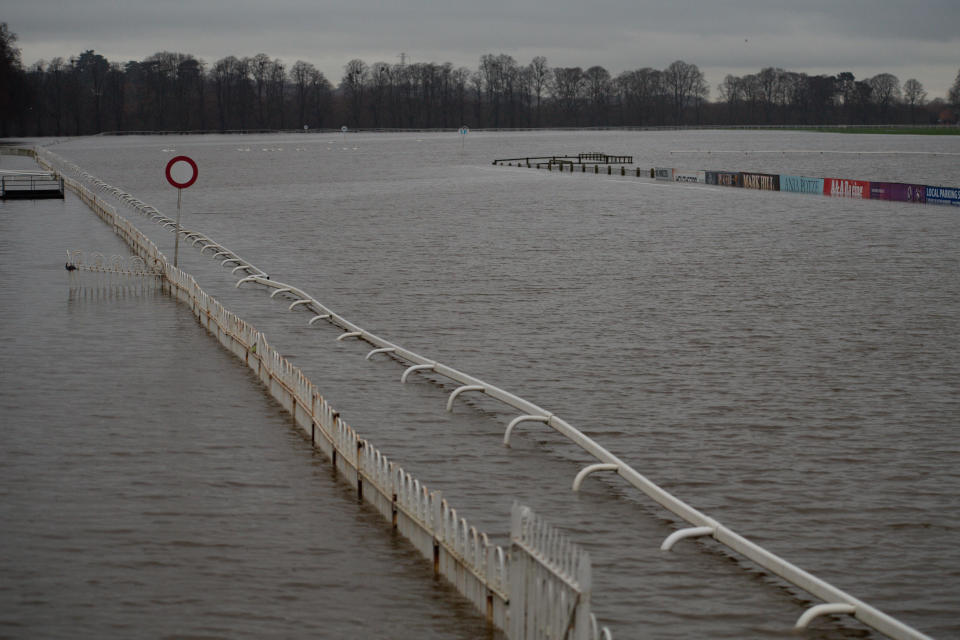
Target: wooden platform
(30, 185)
(579, 159)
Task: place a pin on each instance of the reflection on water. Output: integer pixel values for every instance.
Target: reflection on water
(150, 488)
(786, 363)
(79, 293)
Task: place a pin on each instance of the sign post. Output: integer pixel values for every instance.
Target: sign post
(180, 185)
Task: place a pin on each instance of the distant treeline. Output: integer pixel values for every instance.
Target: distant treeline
(88, 94)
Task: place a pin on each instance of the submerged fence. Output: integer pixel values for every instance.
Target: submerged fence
(833, 187)
(24, 185)
(553, 600)
(835, 600)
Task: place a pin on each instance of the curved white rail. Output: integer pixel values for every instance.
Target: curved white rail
(417, 367)
(822, 610)
(683, 534)
(518, 420)
(586, 471)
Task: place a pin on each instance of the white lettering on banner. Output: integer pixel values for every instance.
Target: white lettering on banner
(751, 181)
(845, 189)
(941, 193)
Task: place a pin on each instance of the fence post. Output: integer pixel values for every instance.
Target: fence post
(550, 582)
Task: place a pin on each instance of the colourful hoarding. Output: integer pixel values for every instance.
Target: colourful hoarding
(943, 195)
(843, 188)
(898, 191)
(762, 181)
(800, 184)
(724, 178)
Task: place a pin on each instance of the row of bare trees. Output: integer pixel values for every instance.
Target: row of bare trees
(177, 92)
(777, 96)
(168, 92)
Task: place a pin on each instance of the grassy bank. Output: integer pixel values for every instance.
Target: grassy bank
(942, 130)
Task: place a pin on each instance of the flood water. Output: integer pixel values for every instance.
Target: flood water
(788, 364)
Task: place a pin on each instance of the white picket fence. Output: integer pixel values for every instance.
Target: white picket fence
(550, 582)
(479, 570)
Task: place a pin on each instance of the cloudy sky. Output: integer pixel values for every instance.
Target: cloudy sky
(908, 38)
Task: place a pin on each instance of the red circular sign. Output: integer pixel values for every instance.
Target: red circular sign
(193, 166)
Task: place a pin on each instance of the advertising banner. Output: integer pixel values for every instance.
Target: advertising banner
(663, 173)
(843, 188)
(800, 184)
(724, 178)
(763, 181)
(898, 191)
(943, 195)
(690, 176)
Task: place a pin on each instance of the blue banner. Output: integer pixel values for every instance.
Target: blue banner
(943, 195)
(800, 184)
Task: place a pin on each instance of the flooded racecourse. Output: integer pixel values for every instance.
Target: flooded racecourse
(788, 364)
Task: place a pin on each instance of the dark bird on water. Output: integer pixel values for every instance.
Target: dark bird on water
(70, 267)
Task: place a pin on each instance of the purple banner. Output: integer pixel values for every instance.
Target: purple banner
(898, 191)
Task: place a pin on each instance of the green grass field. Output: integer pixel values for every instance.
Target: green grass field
(943, 130)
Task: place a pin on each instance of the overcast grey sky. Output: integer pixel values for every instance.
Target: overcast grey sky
(908, 38)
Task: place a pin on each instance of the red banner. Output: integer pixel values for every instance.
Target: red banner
(843, 188)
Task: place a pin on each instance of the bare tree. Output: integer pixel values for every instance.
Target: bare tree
(497, 75)
(302, 75)
(885, 90)
(381, 88)
(321, 90)
(260, 70)
(222, 76)
(54, 90)
(276, 93)
(914, 96)
(10, 68)
(598, 87)
(567, 89)
(685, 82)
(731, 91)
(461, 81)
(539, 80)
(953, 96)
(352, 84)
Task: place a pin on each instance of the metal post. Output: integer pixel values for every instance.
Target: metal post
(176, 242)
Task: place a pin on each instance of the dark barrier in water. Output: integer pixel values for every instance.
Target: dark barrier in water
(943, 195)
(801, 184)
(690, 176)
(898, 191)
(724, 178)
(843, 188)
(762, 181)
